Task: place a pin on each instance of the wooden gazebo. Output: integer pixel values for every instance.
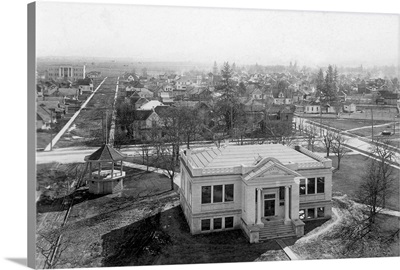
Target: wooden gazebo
(104, 178)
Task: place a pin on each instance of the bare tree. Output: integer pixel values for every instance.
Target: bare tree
(277, 130)
(362, 233)
(190, 123)
(166, 160)
(382, 156)
(327, 139)
(338, 147)
(311, 136)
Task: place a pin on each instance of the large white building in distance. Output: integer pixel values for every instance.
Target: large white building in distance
(66, 72)
(266, 190)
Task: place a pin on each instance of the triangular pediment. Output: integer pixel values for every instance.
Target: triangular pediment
(268, 167)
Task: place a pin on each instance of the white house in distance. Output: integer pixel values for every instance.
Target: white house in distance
(266, 190)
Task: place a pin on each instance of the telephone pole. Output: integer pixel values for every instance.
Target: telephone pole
(372, 118)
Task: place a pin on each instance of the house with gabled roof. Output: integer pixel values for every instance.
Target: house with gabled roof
(44, 117)
(282, 98)
(267, 190)
(131, 77)
(144, 120)
(152, 104)
(85, 85)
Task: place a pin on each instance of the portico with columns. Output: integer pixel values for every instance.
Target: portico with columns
(272, 193)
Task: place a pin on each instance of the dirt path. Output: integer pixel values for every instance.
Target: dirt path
(364, 127)
(324, 229)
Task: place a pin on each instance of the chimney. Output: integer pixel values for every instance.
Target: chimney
(297, 148)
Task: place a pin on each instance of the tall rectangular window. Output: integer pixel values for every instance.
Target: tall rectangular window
(310, 185)
(302, 186)
(229, 193)
(217, 196)
(206, 194)
(228, 222)
(320, 185)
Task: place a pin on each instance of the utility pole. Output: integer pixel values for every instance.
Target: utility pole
(102, 126)
(320, 120)
(372, 118)
(51, 130)
(106, 126)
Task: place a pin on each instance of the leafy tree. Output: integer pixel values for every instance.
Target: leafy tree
(329, 95)
(320, 83)
(228, 104)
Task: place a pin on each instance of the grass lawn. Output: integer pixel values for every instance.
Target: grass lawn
(366, 132)
(93, 215)
(345, 124)
(329, 244)
(350, 175)
(167, 240)
(43, 139)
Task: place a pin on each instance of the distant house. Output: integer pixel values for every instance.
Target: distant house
(85, 86)
(137, 101)
(298, 96)
(257, 94)
(131, 77)
(349, 107)
(389, 98)
(183, 82)
(281, 99)
(312, 108)
(144, 92)
(93, 74)
(152, 104)
(44, 117)
(55, 106)
(168, 88)
(67, 92)
(144, 120)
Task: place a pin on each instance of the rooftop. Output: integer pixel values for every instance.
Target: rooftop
(248, 155)
(105, 153)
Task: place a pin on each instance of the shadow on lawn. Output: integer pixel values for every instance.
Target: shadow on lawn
(46, 204)
(165, 239)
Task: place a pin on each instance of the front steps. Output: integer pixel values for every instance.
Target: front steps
(276, 229)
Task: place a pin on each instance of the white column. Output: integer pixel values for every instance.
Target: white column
(259, 204)
(287, 218)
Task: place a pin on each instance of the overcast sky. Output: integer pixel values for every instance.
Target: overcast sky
(145, 33)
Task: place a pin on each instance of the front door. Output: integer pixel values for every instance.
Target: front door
(269, 205)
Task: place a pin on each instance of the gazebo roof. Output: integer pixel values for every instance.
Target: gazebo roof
(106, 153)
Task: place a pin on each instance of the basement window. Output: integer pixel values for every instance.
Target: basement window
(205, 225)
